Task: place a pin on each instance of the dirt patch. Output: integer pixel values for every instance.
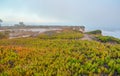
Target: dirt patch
(87, 37)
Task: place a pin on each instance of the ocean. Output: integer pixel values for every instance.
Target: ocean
(111, 33)
(106, 30)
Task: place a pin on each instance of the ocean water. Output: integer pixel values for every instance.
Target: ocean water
(111, 33)
(106, 30)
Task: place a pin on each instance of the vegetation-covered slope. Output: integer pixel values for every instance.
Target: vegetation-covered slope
(109, 39)
(4, 35)
(58, 57)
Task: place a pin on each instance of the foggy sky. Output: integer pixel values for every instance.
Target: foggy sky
(66, 12)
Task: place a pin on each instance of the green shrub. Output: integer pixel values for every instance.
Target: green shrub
(4, 35)
(108, 39)
(95, 32)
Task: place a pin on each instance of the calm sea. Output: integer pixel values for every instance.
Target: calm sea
(106, 30)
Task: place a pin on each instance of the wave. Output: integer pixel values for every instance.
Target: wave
(111, 33)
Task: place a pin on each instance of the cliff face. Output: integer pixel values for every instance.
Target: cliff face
(27, 31)
(77, 28)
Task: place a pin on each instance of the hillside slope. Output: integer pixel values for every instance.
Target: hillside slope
(58, 57)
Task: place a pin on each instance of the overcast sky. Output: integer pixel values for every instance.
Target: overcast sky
(68, 12)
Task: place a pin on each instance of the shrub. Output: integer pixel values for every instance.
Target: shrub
(95, 32)
(4, 35)
(108, 39)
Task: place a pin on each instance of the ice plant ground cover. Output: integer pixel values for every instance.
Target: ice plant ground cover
(62, 54)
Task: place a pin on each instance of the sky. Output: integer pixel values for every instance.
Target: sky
(61, 12)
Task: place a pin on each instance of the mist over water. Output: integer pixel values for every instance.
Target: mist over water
(106, 30)
(111, 33)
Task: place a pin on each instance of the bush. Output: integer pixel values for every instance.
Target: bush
(4, 35)
(95, 32)
(108, 39)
